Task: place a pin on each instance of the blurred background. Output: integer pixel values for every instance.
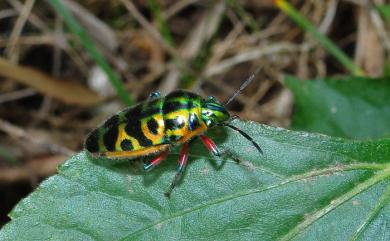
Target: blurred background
(65, 66)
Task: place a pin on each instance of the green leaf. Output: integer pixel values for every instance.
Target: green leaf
(304, 187)
(351, 107)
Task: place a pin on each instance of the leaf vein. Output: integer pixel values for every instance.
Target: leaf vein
(232, 197)
(334, 204)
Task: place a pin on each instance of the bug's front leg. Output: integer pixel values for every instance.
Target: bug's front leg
(154, 95)
(213, 148)
(181, 165)
(150, 165)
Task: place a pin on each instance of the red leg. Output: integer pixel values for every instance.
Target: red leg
(181, 165)
(210, 145)
(149, 166)
(182, 162)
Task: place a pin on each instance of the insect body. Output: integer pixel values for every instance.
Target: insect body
(155, 125)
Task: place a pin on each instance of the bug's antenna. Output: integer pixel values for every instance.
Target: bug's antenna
(246, 136)
(243, 85)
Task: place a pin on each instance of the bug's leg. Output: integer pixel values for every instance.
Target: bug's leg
(150, 165)
(154, 95)
(212, 147)
(181, 165)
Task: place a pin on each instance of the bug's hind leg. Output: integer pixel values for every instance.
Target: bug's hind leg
(181, 165)
(150, 165)
(213, 148)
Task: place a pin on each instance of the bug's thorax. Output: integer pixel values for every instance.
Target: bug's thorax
(182, 116)
(213, 112)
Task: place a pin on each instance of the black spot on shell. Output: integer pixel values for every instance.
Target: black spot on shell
(174, 124)
(110, 137)
(112, 122)
(169, 107)
(133, 112)
(193, 122)
(111, 132)
(126, 145)
(133, 129)
(153, 126)
(181, 93)
(92, 142)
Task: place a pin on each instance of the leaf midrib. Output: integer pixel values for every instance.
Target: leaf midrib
(384, 200)
(235, 196)
(359, 188)
(257, 167)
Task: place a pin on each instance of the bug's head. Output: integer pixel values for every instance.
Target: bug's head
(213, 112)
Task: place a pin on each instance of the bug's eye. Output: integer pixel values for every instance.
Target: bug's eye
(209, 113)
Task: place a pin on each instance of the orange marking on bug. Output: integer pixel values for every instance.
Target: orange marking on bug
(122, 135)
(137, 153)
(155, 138)
(193, 133)
(182, 114)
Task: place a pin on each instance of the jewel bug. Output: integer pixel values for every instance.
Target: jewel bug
(157, 124)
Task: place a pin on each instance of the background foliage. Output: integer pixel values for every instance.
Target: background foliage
(350, 107)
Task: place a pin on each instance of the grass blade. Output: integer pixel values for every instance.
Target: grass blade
(89, 45)
(327, 43)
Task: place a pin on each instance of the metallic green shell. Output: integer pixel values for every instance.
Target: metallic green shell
(162, 120)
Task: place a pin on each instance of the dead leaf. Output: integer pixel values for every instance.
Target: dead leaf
(67, 91)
